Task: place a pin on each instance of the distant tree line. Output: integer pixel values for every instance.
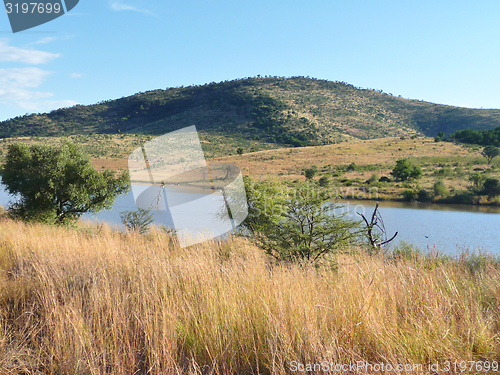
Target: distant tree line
(479, 137)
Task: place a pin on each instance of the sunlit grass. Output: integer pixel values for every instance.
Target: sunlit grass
(95, 301)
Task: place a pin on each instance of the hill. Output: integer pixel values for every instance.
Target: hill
(258, 113)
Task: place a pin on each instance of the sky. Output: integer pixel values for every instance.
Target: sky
(438, 51)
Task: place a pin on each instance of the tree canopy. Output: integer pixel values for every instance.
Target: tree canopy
(297, 224)
(490, 152)
(405, 169)
(480, 137)
(58, 185)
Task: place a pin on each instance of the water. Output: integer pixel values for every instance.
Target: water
(446, 228)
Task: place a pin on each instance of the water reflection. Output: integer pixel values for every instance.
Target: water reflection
(447, 228)
(426, 206)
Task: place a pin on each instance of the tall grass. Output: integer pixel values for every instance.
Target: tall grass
(95, 301)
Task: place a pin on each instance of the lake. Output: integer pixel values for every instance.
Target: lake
(446, 228)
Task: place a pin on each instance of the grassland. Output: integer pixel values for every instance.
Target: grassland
(440, 161)
(93, 301)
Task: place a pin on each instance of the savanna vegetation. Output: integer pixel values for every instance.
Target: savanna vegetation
(298, 285)
(57, 184)
(256, 114)
(90, 300)
(415, 168)
(483, 137)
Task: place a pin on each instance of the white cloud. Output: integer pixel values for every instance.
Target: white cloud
(117, 6)
(45, 40)
(25, 56)
(15, 85)
(45, 105)
(76, 75)
(19, 86)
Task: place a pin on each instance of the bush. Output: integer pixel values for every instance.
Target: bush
(137, 221)
(296, 224)
(440, 189)
(406, 251)
(351, 167)
(424, 196)
(405, 169)
(477, 179)
(324, 181)
(491, 187)
(311, 172)
(461, 197)
(239, 150)
(409, 195)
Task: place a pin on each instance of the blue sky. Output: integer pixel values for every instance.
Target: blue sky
(438, 51)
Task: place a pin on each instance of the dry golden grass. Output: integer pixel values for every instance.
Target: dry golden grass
(95, 301)
(112, 151)
(376, 156)
(384, 151)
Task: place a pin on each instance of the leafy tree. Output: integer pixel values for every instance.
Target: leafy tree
(490, 152)
(58, 185)
(491, 187)
(239, 150)
(440, 189)
(477, 179)
(351, 167)
(138, 220)
(480, 137)
(439, 137)
(409, 195)
(324, 181)
(424, 196)
(311, 172)
(405, 169)
(296, 224)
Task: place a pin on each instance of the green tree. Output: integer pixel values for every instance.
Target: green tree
(440, 189)
(137, 221)
(239, 150)
(409, 195)
(324, 181)
(490, 152)
(405, 169)
(491, 187)
(310, 172)
(296, 224)
(477, 179)
(58, 185)
(351, 167)
(439, 137)
(424, 196)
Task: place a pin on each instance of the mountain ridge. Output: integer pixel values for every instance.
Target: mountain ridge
(277, 111)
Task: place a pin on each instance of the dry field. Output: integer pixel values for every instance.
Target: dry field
(385, 152)
(377, 156)
(94, 301)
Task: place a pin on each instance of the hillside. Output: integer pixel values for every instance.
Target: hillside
(258, 113)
